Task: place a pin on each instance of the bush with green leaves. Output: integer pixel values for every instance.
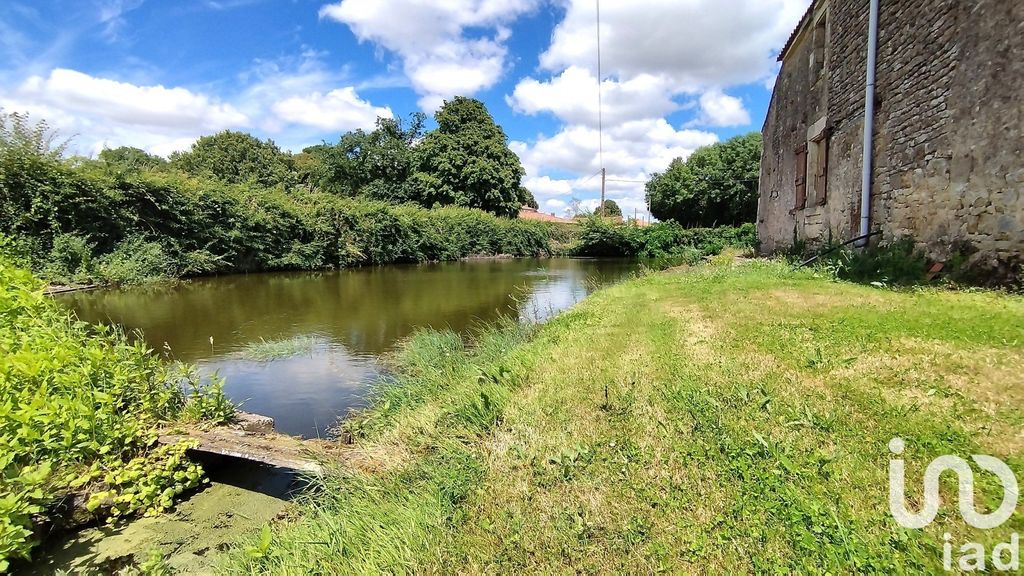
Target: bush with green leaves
(79, 410)
(602, 237)
(715, 186)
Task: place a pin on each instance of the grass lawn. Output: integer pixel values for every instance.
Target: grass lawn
(730, 418)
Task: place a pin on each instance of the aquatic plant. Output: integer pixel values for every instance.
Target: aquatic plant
(268, 350)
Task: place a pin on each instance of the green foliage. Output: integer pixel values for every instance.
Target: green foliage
(715, 186)
(155, 565)
(79, 406)
(600, 237)
(896, 263)
(526, 198)
(136, 261)
(206, 402)
(611, 208)
(70, 259)
(146, 484)
(376, 164)
(235, 204)
(19, 134)
(467, 162)
(236, 158)
(130, 159)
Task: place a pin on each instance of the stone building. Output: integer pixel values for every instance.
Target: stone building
(948, 145)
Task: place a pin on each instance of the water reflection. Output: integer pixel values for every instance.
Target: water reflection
(358, 314)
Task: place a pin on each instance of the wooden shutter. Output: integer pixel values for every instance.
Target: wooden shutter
(821, 174)
(801, 176)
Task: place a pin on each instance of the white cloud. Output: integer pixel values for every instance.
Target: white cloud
(99, 112)
(697, 43)
(111, 15)
(633, 150)
(121, 102)
(297, 99)
(554, 206)
(340, 110)
(659, 57)
(448, 48)
(718, 109)
(572, 97)
(637, 147)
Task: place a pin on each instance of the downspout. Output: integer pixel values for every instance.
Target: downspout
(869, 126)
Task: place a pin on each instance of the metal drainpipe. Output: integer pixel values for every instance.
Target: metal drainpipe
(869, 124)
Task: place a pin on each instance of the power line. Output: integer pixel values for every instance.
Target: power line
(724, 181)
(591, 177)
(600, 108)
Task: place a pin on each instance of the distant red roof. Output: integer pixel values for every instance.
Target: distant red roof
(527, 213)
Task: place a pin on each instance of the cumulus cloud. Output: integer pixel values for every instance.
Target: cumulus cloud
(341, 110)
(718, 109)
(632, 151)
(450, 48)
(131, 104)
(297, 99)
(659, 57)
(100, 112)
(572, 97)
(697, 43)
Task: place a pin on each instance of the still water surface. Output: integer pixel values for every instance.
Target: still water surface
(354, 316)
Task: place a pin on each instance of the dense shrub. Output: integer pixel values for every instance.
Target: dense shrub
(714, 186)
(601, 237)
(79, 407)
(87, 223)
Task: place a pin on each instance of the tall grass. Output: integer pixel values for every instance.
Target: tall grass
(444, 392)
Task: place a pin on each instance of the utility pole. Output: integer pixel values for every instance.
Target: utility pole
(602, 192)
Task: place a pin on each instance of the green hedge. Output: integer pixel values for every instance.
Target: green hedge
(87, 223)
(79, 406)
(601, 238)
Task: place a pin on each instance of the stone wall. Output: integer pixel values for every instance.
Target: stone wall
(949, 145)
(796, 103)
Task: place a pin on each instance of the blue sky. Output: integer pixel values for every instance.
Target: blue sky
(156, 74)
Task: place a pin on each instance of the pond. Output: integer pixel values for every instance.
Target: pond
(341, 321)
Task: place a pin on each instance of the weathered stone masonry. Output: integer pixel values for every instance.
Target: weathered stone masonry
(949, 143)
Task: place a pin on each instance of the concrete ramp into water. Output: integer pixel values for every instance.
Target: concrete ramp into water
(253, 438)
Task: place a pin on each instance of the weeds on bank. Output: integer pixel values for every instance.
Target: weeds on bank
(445, 393)
(902, 263)
(79, 407)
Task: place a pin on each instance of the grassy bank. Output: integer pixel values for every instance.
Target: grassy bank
(730, 418)
(79, 407)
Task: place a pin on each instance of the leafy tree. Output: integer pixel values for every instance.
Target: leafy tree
(527, 199)
(610, 209)
(129, 158)
(716, 185)
(467, 162)
(236, 158)
(19, 134)
(377, 164)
